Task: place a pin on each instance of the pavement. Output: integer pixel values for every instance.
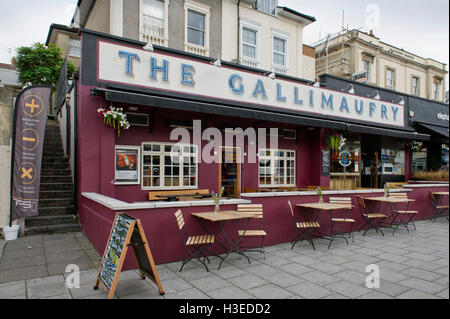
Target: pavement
(411, 265)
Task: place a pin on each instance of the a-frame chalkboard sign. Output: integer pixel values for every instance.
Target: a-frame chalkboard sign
(126, 231)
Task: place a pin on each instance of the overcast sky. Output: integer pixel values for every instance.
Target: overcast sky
(418, 26)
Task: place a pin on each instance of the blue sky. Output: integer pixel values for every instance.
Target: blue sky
(418, 26)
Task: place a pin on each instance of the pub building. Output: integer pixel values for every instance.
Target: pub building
(347, 143)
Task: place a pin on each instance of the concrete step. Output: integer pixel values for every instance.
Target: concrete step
(51, 194)
(52, 229)
(50, 220)
(56, 202)
(50, 165)
(56, 172)
(54, 159)
(56, 210)
(56, 186)
(56, 179)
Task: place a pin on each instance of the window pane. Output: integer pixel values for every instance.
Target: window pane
(278, 58)
(279, 45)
(249, 51)
(196, 37)
(154, 8)
(249, 36)
(196, 20)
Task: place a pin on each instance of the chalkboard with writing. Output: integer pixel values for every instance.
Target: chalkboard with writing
(126, 231)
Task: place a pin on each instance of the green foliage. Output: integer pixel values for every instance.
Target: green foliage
(40, 65)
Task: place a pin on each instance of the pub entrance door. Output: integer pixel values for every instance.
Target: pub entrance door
(230, 171)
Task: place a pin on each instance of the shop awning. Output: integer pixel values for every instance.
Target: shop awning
(210, 108)
(436, 129)
(387, 132)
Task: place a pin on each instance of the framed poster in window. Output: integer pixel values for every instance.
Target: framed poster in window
(127, 165)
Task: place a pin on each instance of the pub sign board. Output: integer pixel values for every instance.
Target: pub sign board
(126, 231)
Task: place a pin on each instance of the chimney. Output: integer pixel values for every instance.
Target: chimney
(371, 33)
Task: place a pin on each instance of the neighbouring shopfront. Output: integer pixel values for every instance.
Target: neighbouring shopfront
(247, 133)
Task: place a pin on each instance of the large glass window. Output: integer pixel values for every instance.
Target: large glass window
(279, 51)
(418, 156)
(276, 168)
(267, 6)
(392, 156)
(169, 166)
(196, 28)
(345, 155)
(153, 17)
(436, 90)
(366, 66)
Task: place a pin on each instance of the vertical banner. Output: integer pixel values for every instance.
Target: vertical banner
(30, 117)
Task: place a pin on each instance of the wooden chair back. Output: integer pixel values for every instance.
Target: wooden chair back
(341, 200)
(180, 219)
(361, 203)
(153, 194)
(290, 206)
(256, 209)
(399, 195)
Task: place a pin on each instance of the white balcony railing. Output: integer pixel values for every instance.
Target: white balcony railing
(281, 69)
(196, 49)
(249, 62)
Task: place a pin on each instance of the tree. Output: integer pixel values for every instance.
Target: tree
(39, 64)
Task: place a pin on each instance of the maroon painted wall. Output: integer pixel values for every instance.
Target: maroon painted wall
(165, 240)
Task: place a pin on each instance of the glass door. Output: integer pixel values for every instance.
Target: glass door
(230, 171)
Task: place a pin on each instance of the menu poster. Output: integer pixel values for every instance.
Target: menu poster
(325, 162)
(127, 165)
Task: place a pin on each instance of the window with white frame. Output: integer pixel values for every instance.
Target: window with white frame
(436, 89)
(196, 27)
(267, 6)
(74, 47)
(390, 78)
(415, 85)
(276, 168)
(279, 51)
(152, 18)
(169, 166)
(249, 43)
(366, 67)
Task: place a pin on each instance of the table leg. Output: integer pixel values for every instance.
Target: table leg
(234, 247)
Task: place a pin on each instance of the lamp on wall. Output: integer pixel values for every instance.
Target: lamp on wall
(316, 84)
(350, 89)
(148, 47)
(400, 101)
(375, 95)
(217, 63)
(272, 76)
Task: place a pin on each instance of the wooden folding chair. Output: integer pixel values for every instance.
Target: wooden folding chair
(195, 245)
(254, 228)
(399, 214)
(440, 210)
(304, 229)
(343, 220)
(373, 220)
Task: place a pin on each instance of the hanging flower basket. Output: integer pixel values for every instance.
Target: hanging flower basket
(416, 146)
(115, 118)
(337, 142)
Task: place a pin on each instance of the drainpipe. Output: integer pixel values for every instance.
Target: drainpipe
(239, 32)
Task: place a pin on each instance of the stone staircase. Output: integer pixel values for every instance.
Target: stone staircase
(56, 197)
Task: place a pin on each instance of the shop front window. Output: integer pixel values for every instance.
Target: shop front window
(418, 156)
(276, 168)
(169, 166)
(392, 156)
(345, 152)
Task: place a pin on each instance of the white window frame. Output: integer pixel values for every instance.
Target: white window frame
(368, 63)
(202, 9)
(436, 89)
(283, 36)
(165, 39)
(77, 48)
(418, 85)
(255, 27)
(392, 70)
(274, 158)
(272, 5)
(162, 153)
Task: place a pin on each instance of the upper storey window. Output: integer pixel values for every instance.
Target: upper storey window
(267, 6)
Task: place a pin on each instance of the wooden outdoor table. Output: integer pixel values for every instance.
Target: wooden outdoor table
(221, 218)
(393, 201)
(328, 207)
